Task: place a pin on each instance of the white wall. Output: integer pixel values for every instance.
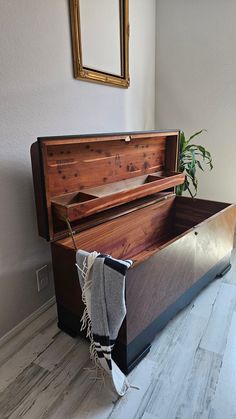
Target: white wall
(196, 82)
(40, 97)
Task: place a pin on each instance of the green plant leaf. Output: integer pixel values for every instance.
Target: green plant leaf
(196, 134)
(199, 165)
(183, 142)
(191, 158)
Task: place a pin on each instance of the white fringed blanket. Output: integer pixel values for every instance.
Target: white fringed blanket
(102, 280)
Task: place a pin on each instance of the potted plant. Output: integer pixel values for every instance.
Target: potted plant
(191, 158)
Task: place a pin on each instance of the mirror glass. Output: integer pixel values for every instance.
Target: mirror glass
(100, 35)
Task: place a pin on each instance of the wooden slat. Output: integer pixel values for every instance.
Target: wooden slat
(89, 138)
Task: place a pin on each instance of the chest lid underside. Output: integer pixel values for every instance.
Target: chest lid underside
(79, 176)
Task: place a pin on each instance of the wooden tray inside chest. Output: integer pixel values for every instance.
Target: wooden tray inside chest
(85, 175)
(80, 204)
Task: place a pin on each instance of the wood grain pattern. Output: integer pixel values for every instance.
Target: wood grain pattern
(224, 402)
(109, 162)
(156, 283)
(214, 239)
(19, 389)
(127, 236)
(95, 138)
(16, 364)
(168, 220)
(178, 265)
(191, 212)
(16, 344)
(166, 263)
(82, 204)
(215, 339)
(54, 354)
(81, 388)
(168, 389)
(53, 384)
(61, 228)
(79, 166)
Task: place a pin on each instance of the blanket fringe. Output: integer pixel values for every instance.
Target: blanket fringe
(85, 319)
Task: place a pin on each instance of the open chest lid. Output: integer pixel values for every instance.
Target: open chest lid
(77, 177)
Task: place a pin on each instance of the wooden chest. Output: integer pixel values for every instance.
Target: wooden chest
(116, 192)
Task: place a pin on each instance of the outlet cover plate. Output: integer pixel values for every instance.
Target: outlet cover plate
(42, 277)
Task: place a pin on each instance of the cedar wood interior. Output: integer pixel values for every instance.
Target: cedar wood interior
(112, 170)
(141, 233)
(88, 175)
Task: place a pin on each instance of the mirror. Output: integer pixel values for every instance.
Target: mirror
(100, 35)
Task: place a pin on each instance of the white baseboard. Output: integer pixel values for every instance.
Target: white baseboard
(5, 338)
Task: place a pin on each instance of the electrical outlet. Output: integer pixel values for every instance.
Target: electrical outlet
(42, 277)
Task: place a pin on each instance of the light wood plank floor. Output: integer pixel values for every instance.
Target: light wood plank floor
(189, 373)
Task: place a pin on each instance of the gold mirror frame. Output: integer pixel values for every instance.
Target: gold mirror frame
(89, 74)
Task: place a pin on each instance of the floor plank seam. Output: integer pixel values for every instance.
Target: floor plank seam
(50, 344)
(24, 397)
(49, 377)
(62, 395)
(209, 318)
(26, 341)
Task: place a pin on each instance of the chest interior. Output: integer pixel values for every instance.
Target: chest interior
(116, 192)
(141, 233)
(87, 180)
